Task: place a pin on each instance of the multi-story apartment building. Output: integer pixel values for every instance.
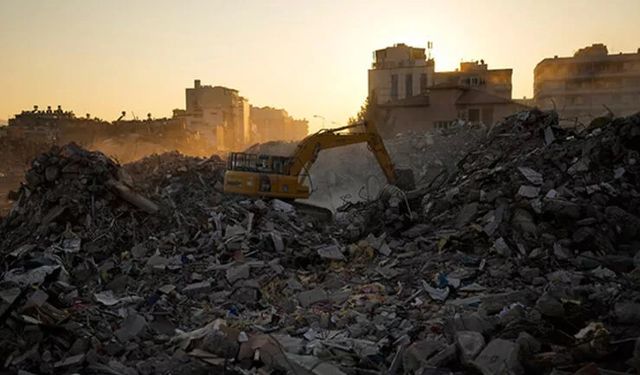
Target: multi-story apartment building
(219, 113)
(589, 84)
(413, 96)
(399, 72)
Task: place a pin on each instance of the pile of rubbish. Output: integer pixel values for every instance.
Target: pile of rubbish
(15, 157)
(352, 174)
(519, 258)
(530, 248)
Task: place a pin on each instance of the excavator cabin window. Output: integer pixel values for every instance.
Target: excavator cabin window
(239, 161)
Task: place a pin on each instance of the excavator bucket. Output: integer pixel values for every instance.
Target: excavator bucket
(405, 179)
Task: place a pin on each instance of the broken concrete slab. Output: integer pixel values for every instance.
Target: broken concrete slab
(499, 357)
(469, 343)
(310, 297)
(531, 175)
(131, 326)
(238, 272)
(331, 252)
(528, 191)
(197, 288)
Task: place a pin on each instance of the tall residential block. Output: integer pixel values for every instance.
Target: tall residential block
(399, 72)
(589, 83)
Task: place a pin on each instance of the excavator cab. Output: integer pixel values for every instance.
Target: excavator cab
(262, 176)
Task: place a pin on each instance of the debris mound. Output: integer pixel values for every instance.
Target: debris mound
(534, 185)
(521, 257)
(70, 190)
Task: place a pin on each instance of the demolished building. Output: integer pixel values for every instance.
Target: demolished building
(520, 259)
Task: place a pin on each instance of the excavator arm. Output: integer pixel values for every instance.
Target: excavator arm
(307, 151)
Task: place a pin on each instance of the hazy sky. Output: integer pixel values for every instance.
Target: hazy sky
(309, 57)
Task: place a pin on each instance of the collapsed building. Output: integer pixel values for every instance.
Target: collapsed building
(125, 139)
(521, 257)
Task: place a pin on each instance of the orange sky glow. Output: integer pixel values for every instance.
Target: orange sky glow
(309, 57)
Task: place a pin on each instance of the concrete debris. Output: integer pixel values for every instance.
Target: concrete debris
(469, 344)
(518, 253)
(527, 191)
(331, 252)
(499, 357)
(310, 297)
(531, 175)
(131, 327)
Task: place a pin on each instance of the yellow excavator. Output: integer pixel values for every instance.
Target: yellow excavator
(283, 177)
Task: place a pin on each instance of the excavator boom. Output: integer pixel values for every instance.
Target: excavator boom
(307, 151)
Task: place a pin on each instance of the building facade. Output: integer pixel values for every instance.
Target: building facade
(443, 107)
(274, 124)
(477, 75)
(590, 83)
(399, 72)
(411, 95)
(218, 113)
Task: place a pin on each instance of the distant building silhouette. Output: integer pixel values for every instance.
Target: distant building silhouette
(273, 124)
(220, 114)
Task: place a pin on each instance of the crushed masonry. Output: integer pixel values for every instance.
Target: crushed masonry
(519, 255)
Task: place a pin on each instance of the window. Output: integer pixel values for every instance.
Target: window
(408, 85)
(423, 83)
(474, 115)
(487, 115)
(442, 125)
(394, 86)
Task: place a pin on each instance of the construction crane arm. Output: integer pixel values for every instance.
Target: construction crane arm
(307, 151)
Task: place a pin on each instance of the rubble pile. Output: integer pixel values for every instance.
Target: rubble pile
(97, 276)
(15, 154)
(429, 154)
(69, 190)
(519, 259)
(352, 174)
(532, 249)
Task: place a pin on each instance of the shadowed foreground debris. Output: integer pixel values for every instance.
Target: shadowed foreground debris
(522, 259)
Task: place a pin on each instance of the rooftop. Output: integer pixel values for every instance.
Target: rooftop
(594, 52)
